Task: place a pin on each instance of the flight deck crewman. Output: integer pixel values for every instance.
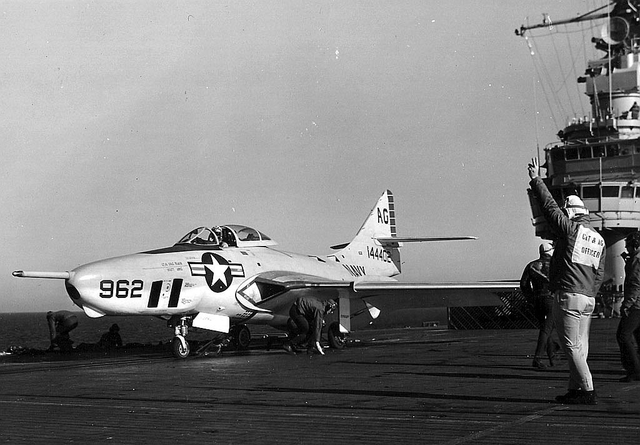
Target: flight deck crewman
(111, 339)
(628, 334)
(60, 324)
(306, 316)
(535, 287)
(575, 276)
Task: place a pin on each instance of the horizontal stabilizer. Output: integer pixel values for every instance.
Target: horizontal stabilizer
(394, 240)
(422, 239)
(52, 275)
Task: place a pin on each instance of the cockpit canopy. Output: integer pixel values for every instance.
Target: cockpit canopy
(231, 235)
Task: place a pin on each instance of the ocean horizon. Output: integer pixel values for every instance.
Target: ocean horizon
(30, 330)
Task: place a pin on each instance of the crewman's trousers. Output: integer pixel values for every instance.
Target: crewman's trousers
(628, 336)
(572, 315)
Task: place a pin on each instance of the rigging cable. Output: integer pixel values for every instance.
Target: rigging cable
(535, 96)
(564, 84)
(535, 112)
(609, 74)
(572, 71)
(547, 83)
(543, 75)
(585, 62)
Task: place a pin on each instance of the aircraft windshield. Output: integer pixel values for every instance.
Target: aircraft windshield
(247, 233)
(200, 236)
(232, 235)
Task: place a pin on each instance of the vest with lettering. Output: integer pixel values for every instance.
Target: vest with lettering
(579, 253)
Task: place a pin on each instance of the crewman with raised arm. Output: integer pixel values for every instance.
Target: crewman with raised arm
(575, 275)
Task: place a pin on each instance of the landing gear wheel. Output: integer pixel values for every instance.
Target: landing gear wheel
(337, 340)
(241, 337)
(180, 349)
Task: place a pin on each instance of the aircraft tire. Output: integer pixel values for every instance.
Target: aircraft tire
(337, 340)
(180, 351)
(241, 337)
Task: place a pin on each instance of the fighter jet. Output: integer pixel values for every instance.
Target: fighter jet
(223, 278)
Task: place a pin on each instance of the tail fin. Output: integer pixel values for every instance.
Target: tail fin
(375, 248)
(381, 222)
(366, 251)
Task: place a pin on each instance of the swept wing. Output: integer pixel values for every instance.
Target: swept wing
(484, 293)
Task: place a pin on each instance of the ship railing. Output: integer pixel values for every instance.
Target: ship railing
(612, 205)
(586, 141)
(609, 148)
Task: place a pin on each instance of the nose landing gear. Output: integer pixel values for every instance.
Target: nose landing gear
(240, 337)
(179, 345)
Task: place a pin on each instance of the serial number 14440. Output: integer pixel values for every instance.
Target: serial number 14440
(378, 254)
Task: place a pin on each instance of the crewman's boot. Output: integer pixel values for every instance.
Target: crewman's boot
(569, 397)
(287, 347)
(538, 364)
(583, 398)
(630, 378)
(588, 398)
(553, 352)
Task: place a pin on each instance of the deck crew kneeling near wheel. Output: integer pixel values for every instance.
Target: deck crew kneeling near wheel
(305, 324)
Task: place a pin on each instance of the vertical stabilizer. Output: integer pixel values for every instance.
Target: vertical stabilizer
(381, 222)
(365, 251)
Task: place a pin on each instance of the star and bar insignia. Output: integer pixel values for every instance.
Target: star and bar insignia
(217, 271)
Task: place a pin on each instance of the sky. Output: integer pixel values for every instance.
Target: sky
(126, 124)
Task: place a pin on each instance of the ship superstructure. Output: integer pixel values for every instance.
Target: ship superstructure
(597, 157)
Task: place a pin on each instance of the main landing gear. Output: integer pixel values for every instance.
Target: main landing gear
(239, 336)
(337, 339)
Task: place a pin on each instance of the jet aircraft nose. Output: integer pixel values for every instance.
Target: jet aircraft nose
(132, 285)
(72, 291)
(83, 287)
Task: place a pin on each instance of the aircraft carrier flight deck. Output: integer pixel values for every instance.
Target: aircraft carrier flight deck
(388, 386)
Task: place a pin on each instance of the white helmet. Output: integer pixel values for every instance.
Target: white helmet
(546, 248)
(574, 206)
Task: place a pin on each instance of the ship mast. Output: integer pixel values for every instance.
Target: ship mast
(592, 15)
(598, 158)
